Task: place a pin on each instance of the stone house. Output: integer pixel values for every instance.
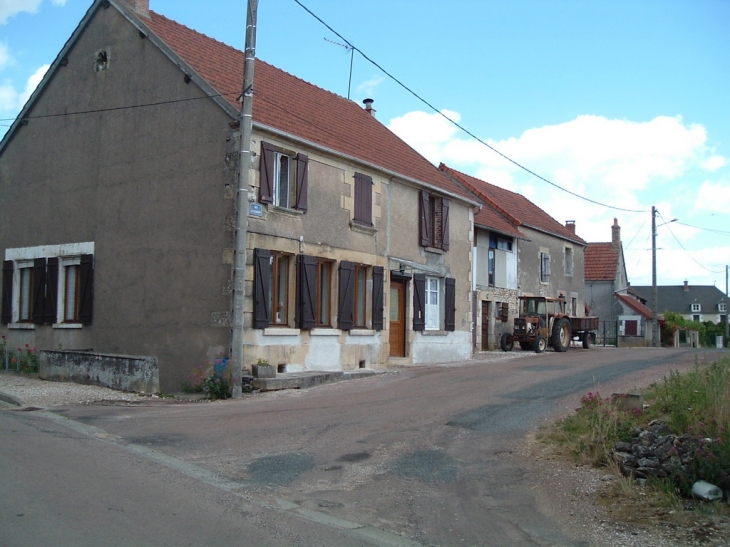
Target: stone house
(359, 249)
(518, 250)
(693, 302)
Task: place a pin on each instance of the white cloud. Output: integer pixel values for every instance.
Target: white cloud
(59, 2)
(713, 163)
(714, 197)
(368, 87)
(12, 100)
(5, 57)
(8, 8)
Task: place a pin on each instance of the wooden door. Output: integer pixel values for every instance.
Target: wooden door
(397, 319)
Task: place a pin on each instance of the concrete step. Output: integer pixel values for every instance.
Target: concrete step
(303, 380)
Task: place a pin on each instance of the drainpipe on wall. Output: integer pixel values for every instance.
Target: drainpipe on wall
(244, 166)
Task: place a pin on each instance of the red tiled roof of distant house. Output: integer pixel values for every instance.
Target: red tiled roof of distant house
(516, 207)
(601, 261)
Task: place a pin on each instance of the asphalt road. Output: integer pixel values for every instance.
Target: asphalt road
(418, 456)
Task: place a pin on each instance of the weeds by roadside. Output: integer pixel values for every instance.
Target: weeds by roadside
(215, 380)
(18, 360)
(694, 406)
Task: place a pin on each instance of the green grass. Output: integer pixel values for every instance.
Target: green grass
(695, 403)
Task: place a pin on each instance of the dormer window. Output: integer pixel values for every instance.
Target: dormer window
(696, 307)
(721, 306)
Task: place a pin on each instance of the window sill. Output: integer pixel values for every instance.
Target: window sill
(285, 211)
(67, 326)
(363, 228)
(21, 326)
(434, 250)
(324, 332)
(280, 331)
(435, 333)
(362, 332)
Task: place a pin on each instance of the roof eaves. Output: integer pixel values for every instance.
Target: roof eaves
(576, 240)
(364, 163)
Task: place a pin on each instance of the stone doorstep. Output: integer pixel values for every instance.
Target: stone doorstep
(303, 380)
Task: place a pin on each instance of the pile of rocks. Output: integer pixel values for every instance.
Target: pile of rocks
(656, 452)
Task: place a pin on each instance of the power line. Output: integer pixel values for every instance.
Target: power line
(456, 124)
(685, 250)
(705, 229)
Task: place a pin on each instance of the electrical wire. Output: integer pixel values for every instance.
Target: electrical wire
(459, 126)
(685, 250)
(721, 232)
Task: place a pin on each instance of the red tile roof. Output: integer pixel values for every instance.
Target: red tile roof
(601, 261)
(515, 207)
(287, 103)
(635, 305)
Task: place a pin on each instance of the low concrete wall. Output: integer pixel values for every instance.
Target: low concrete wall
(631, 342)
(124, 372)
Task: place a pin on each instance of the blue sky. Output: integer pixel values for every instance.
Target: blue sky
(623, 101)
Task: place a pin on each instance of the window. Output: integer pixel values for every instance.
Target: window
(271, 288)
(501, 311)
(433, 221)
(48, 291)
(284, 178)
(433, 312)
(352, 309)
(696, 307)
(324, 293)
(491, 267)
(363, 199)
(434, 303)
(696, 318)
(721, 307)
(504, 244)
(631, 327)
(569, 261)
(544, 268)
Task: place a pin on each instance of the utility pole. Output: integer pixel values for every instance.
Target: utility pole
(244, 166)
(654, 322)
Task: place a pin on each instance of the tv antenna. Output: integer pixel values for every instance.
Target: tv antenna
(351, 49)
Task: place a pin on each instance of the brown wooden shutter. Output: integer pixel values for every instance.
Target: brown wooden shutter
(39, 290)
(424, 213)
(261, 288)
(419, 293)
(445, 224)
(50, 310)
(305, 314)
(302, 182)
(346, 291)
(86, 289)
(504, 316)
(7, 306)
(450, 305)
(363, 199)
(378, 298)
(266, 172)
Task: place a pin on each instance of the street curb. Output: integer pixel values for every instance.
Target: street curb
(4, 397)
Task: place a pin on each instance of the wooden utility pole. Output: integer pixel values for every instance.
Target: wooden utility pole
(244, 166)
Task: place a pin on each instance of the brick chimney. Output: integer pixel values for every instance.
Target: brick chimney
(570, 225)
(615, 235)
(369, 106)
(686, 286)
(140, 7)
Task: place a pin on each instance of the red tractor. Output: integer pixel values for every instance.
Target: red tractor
(543, 322)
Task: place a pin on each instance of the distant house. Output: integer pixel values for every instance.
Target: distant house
(123, 167)
(518, 250)
(695, 303)
(622, 316)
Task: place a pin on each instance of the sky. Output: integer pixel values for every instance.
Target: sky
(623, 103)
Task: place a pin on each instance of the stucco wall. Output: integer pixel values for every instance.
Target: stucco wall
(149, 185)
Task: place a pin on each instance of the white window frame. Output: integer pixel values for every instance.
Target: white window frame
(21, 265)
(569, 264)
(696, 307)
(432, 303)
(288, 204)
(721, 307)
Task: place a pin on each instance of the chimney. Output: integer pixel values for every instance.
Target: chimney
(570, 225)
(615, 235)
(140, 7)
(686, 286)
(369, 107)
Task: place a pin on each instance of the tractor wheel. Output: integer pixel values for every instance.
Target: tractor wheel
(539, 344)
(560, 339)
(526, 346)
(586, 339)
(506, 342)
